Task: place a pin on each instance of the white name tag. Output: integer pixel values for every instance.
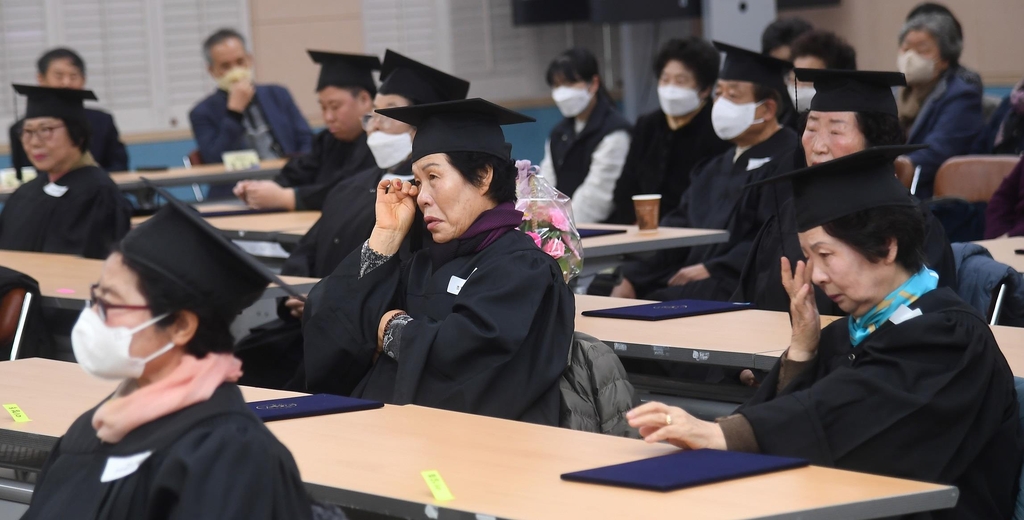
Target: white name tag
(456, 283)
(55, 190)
(120, 467)
(753, 164)
(903, 313)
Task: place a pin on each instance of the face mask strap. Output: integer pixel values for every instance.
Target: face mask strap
(148, 323)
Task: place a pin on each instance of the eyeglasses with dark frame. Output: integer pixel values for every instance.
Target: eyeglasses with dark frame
(104, 306)
(45, 133)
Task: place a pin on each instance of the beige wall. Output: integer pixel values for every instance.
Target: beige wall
(283, 30)
(992, 33)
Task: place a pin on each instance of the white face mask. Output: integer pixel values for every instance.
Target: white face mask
(801, 97)
(731, 119)
(103, 351)
(571, 101)
(234, 76)
(389, 149)
(915, 67)
(677, 101)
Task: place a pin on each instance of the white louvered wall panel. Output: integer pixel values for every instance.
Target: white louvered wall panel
(406, 26)
(475, 39)
(143, 57)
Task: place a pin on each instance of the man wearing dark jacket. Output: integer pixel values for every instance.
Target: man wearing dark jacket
(240, 114)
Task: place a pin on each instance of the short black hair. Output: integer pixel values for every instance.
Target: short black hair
(880, 129)
(763, 92)
(936, 8)
(696, 54)
(473, 167)
(60, 53)
(573, 65)
(782, 32)
(869, 232)
(222, 35)
(830, 48)
(79, 132)
(213, 333)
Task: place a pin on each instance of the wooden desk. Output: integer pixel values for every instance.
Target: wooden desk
(602, 252)
(494, 468)
(1011, 342)
(1002, 250)
(286, 228)
(64, 280)
(746, 339)
(210, 208)
(205, 174)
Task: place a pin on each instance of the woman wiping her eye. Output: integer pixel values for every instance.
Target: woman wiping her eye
(481, 321)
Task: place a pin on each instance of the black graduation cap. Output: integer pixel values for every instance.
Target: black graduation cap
(345, 70)
(840, 187)
(63, 103)
(186, 250)
(468, 125)
(853, 90)
(418, 82)
(745, 65)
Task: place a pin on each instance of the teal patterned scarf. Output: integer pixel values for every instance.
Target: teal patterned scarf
(860, 328)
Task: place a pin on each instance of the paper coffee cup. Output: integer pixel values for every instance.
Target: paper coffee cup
(647, 208)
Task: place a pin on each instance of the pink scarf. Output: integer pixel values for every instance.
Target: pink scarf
(194, 381)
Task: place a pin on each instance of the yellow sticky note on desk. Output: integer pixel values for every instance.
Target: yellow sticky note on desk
(437, 485)
(17, 414)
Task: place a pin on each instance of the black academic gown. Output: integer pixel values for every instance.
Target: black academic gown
(90, 217)
(330, 161)
(496, 348)
(212, 460)
(761, 279)
(272, 353)
(716, 199)
(929, 399)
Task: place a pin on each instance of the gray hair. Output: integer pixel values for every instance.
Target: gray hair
(219, 37)
(943, 29)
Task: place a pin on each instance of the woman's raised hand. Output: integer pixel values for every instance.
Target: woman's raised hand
(395, 210)
(803, 311)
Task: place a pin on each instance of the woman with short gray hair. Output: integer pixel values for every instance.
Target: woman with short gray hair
(938, 107)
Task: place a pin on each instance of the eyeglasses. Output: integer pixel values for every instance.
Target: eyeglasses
(45, 133)
(383, 122)
(103, 306)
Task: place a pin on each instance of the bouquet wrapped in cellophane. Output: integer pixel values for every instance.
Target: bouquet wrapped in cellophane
(547, 218)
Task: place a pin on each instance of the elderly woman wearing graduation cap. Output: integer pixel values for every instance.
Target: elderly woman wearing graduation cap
(273, 352)
(911, 384)
(176, 439)
(850, 111)
(481, 322)
(72, 207)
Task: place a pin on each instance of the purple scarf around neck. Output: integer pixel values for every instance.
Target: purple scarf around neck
(485, 230)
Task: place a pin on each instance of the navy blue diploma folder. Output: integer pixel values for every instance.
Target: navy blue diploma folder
(587, 233)
(667, 310)
(309, 405)
(685, 469)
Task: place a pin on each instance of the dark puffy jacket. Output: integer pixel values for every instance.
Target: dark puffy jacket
(596, 393)
(979, 276)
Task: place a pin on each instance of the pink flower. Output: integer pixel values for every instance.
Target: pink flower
(535, 237)
(559, 220)
(555, 248)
